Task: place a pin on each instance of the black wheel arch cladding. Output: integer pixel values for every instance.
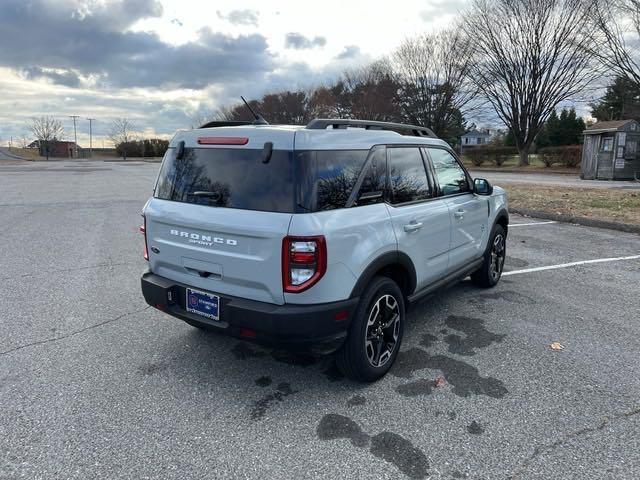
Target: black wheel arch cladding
(396, 265)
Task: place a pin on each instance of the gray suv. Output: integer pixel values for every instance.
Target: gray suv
(316, 237)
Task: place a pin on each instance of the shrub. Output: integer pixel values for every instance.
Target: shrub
(476, 155)
(568, 155)
(154, 147)
(495, 154)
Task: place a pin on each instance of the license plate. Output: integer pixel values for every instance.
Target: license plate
(202, 303)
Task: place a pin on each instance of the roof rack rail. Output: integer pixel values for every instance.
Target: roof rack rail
(339, 123)
(225, 123)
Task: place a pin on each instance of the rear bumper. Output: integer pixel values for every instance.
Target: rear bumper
(298, 327)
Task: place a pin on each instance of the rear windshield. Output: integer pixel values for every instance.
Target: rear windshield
(233, 178)
(237, 178)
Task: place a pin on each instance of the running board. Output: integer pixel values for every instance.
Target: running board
(454, 277)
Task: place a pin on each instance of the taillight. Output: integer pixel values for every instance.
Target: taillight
(304, 262)
(143, 231)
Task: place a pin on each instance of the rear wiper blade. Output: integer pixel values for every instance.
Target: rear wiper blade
(200, 193)
(216, 196)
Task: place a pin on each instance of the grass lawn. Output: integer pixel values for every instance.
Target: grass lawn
(614, 205)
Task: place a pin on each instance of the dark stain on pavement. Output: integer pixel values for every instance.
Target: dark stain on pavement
(263, 381)
(476, 335)
(421, 386)
(452, 415)
(428, 340)
(244, 351)
(356, 401)
(465, 378)
(261, 406)
(475, 428)
(399, 451)
(334, 426)
(152, 368)
(388, 446)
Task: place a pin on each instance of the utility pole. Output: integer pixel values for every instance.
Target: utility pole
(75, 135)
(90, 137)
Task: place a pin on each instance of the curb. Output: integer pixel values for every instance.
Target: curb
(585, 221)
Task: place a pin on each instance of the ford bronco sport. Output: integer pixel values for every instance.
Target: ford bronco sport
(316, 237)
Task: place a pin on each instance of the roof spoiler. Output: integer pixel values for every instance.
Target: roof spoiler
(339, 123)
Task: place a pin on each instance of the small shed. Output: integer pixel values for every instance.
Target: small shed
(610, 151)
(473, 138)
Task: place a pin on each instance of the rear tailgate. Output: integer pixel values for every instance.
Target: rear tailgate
(221, 209)
(223, 250)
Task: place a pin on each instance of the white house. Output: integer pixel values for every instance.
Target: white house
(473, 138)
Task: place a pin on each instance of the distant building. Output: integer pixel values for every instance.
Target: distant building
(59, 148)
(473, 138)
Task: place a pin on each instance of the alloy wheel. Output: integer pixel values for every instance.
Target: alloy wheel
(382, 331)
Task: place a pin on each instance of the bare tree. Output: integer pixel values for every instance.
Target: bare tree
(617, 38)
(373, 92)
(530, 56)
(46, 129)
(121, 134)
(23, 141)
(433, 70)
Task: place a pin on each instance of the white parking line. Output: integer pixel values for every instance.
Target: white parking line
(532, 223)
(572, 264)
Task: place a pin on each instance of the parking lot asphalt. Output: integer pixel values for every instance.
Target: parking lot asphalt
(93, 384)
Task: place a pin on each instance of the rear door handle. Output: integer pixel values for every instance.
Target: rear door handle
(459, 214)
(412, 227)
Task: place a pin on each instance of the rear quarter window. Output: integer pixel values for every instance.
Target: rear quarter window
(326, 178)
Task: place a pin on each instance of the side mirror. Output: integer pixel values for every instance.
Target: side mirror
(482, 187)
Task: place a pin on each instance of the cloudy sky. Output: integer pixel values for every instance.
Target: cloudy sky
(164, 62)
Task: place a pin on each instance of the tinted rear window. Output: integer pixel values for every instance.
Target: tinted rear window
(235, 178)
(327, 177)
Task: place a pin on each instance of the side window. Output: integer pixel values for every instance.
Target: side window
(326, 177)
(407, 176)
(450, 174)
(373, 181)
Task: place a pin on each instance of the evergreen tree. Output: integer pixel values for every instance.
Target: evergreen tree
(553, 127)
(565, 129)
(620, 102)
(573, 129)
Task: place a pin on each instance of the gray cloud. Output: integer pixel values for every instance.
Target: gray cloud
(240, 17)
(68, 78)
(350, 51)
(93, 40)
(297, 41)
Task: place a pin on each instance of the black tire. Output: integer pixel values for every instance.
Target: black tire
(490, 272)
(368, 336)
